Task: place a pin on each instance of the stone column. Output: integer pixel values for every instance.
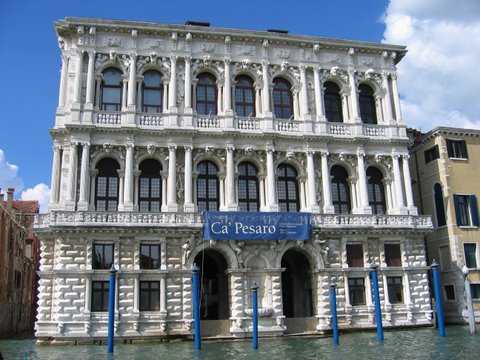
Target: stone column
(296, 110)
(327, 196)
(396, 99)
(72, 167)
(354, 95)
(93, 180)
(84, 178)
(188, 205)
(271, 181)
(303, 92)
(219, 99)
(55, 183)
(318, 94)
(188, 85)
(312, 196)
(388, 103)
(128, 185)
(77, 90)
(90, 78)
(266, 89)
(261, 182)
(132, 82)
(230, 179)
(124, 94)
(172, 88)
(63, 81)
(397, 180)
(227, 90)
(165, 96)
(407, 180)
(362, 179)
(163, 296)
(164, 175)
(258, 102)
(172, 179)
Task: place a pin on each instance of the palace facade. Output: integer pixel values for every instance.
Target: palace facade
(160, 125)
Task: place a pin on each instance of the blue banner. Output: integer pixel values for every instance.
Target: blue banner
(230, 225)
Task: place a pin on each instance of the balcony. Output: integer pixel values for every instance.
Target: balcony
(218, 123)
(323, 222)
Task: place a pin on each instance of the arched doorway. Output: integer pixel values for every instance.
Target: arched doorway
(213, 285)
(296, 285)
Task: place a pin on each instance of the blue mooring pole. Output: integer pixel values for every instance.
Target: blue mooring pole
(255, 315)
(111, 309)
(196, 308)
(333, 304)
(438, 298)
(376, 296)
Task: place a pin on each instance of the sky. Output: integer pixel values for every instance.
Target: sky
(438, 79)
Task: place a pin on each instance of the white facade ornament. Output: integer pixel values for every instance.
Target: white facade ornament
(151, 149)
(208, 48)
(112, 42)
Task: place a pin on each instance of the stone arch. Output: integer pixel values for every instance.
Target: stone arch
(311, 253)
(221, 247)
(102, 154)
(209, 157)
(293, 162)
(255, 260)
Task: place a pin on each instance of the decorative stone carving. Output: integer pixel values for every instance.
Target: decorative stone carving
(112, 42)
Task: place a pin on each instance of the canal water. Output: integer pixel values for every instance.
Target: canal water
(410, 344)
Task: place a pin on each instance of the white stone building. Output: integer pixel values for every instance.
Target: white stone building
(157, 124)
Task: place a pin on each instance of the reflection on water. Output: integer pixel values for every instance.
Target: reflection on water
(407, 344)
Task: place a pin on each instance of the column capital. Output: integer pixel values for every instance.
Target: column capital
(227, 61)
(85, 145)
(188, 148)
(172, 147)
(230, 148)
(188, 59)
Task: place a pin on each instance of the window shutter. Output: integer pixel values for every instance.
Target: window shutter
(449, 148)
(464, 149)
(457, 210)
(472, 199)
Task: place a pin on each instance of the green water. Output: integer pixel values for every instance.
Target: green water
(406, 344)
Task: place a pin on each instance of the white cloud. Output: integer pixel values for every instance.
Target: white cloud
(40, 192)
(9, 175)
(438, 78)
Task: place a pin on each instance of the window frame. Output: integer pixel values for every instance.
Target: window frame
(212, 187)
(446, 293)
(108, 170)
(287, 202)
(393, 288)
(366, 101)
(149, 262)
(431, 154)
(440, 215)
(247, 180)
(333, 100)
(147, 174)
(466, 210)
(205, 99)
(356, 286)
(352, 250)
(153, 296)
(103, 263)
(159, 106)
(241, 91)
(338, 201)
(393, 261)
(376, 191)
(282, 109)
(104, 106)
(475, 291)
(475, 256)
(101, 294)
(457, 149)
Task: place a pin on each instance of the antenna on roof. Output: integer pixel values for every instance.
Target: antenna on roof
(197, 23)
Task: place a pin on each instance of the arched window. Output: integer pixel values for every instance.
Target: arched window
(208, 198)
(333, 102)
(111, 90)
(106, 189)
(367, 105)
(150, 186)
(287, 187)
(244, 96)
(376, 192)
(439, 205)
(282, 99)
(152, 92)
(248, 195)
(206, 94)
(340, 190)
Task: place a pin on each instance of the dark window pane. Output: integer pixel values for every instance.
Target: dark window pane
(393, 256)
(354, 255)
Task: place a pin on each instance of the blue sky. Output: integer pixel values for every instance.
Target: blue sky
(31, 58)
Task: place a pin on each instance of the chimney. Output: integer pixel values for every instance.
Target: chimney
(1, 195)
(10, 192)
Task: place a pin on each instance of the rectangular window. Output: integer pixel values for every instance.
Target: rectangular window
(457, 149)
(149, 295)
(354, 255)
(466, 210)
(449, 292)
(393, 256)
(100, 291)
(395, 289)
(475, 290)
(470, 255)
(102, 257)
(149, 256)
(431, 154)
(356, 288)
